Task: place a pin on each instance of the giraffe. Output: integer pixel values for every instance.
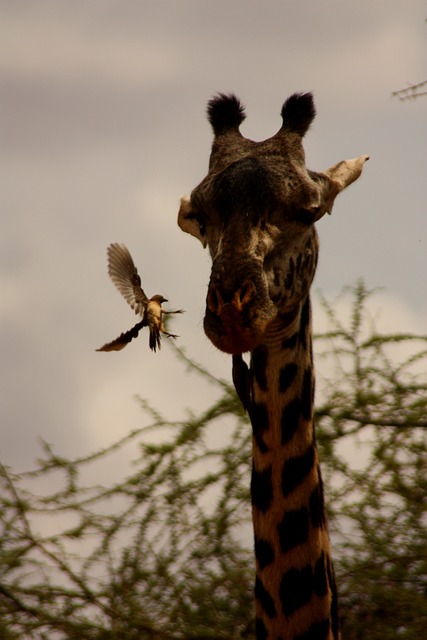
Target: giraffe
(256, 211)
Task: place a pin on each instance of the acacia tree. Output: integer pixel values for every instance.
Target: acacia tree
(412, 91)
(165, 552)
(375, 410)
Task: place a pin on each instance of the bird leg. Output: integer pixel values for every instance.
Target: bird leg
(162, 328)
(167, 334)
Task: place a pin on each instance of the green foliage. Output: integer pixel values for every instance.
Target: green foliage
(165, 552)
(371, 426)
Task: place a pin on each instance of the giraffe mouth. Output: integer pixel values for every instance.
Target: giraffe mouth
(232, 332)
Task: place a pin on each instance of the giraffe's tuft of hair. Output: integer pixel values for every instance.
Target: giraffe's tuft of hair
(225, 112)
(298, 113)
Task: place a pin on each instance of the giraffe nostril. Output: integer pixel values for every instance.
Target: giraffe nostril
(247, 290)
(237, 298)
(214, 299)
(244, 294)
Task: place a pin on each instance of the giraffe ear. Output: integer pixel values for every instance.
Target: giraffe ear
(336, 179)
(346, 171)
(191, 221)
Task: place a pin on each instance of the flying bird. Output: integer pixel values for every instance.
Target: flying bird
(124, 275)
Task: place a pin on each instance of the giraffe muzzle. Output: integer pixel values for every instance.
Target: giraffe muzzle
(219, 303)
(231, 322)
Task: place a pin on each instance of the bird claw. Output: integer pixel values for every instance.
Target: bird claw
(177, 311)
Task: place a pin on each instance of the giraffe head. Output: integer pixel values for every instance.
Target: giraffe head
(256, 211)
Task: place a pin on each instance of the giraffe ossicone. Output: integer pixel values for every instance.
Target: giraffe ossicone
(256, 212)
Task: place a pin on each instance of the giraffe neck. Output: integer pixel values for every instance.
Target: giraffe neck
(295, 588)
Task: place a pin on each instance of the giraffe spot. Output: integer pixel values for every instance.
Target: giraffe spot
(290, 419)
(296, 588)
(290, 275)
(265, 599)
(288, 317)
(320, 581)
(287, 376)
(242, 381)
(259, 366)
(317, 505)
(307, 394)
(260, 630)
(304, 322)
(295, 470)
(264, 552)
(260, 423)
(316, 631)
(293, 529)
(290, 343)
(261, 489)
(334, 600)
(308, 262)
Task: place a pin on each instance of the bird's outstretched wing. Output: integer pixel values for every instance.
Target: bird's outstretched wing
(124, 274)
(124, 338)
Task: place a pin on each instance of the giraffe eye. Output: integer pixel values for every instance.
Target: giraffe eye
(308, 216)
(199, 218)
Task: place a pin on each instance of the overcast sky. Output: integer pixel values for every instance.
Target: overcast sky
(104, 128)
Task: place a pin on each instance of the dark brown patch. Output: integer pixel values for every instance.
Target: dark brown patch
(295, 470)
(288, 317)
(320, 582)
(259, 366)
(290, 275)
(293, 529)
(296, 588)
(307, 394)
(304, 323)
(306, 217)
(308, 262)
(334, 601)
(265, 599)
(290, 343)
(261, 489)
(260, 630)
(242, 381)
(264, 552)
(316, 505)
(316, 631)
(290, 419)
(260, 424)
(287, 376)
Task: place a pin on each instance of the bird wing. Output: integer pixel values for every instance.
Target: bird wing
(124, 338)
(124, 275)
